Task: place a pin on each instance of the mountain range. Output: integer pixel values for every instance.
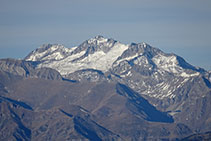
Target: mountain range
(103, 90)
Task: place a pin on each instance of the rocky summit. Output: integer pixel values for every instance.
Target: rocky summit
(103, 90)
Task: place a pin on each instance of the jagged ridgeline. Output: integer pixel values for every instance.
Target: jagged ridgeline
(103, 90)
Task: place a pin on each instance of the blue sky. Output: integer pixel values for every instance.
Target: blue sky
(182, 27)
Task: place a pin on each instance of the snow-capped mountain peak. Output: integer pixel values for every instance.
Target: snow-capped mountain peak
(102, 54)
(48, 52)
(146, 69)
(95, 53)
(98, 39)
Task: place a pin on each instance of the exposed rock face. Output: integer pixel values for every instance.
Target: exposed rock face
(28, 69)
(90, 75)
(198, 137)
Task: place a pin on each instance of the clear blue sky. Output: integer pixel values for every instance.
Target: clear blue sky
(179, 26)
